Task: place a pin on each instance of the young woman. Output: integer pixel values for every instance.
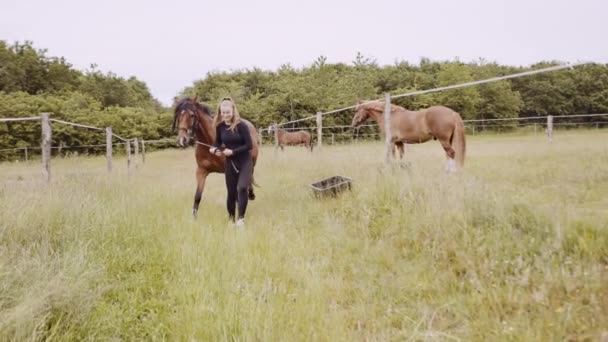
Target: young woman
(233, 134)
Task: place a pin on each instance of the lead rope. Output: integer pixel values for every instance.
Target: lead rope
(210, 146)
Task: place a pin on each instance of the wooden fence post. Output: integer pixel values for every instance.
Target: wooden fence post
(109, 148)
(387, 127)
(550, 128)
(143, 151)
(136, 145)
(260, 136)
(128, 143)
(47, 134)
(26, 156)
(319, 130)
(275, 130)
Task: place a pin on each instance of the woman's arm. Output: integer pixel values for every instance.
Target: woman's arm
(244, 132)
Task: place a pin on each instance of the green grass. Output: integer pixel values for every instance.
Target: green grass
(513, 248)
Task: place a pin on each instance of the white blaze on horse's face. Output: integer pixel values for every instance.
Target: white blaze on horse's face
(186, 119)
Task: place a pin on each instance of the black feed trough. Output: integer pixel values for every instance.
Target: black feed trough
(331, 186)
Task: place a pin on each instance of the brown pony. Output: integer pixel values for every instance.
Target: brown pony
(437, 122)
(292, 138)
(194, 122)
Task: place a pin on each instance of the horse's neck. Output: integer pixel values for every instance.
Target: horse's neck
(205, 132)
(379, 118)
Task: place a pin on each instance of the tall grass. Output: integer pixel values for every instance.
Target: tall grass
(513, 248)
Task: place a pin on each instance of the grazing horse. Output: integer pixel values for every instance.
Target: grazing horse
(437, 122)
(292, 138)
(194, 121)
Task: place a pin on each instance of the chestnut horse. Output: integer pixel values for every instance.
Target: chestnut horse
(437, 122)
(194, 122)
(292, 138)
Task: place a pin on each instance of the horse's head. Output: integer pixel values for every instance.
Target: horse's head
(185, 119)
(361, 114)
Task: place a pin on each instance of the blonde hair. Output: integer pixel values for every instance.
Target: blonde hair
(236, 118)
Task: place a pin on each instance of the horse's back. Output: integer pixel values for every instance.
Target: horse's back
(252, 131)
(439, 110)
(441, 120)
(249, 125)
(254, 138)
(439, 114)
(299, 137)
(305, 136)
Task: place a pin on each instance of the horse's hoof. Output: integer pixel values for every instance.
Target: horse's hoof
(451, 166)
(194, 212)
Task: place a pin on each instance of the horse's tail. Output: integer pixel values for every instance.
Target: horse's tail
(252, 183)
(458, 140)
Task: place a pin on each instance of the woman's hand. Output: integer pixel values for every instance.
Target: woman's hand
(227, 152)
(215, 151)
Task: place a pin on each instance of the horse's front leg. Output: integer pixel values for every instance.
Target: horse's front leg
(201, 176)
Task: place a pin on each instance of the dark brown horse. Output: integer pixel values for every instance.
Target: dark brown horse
(437, 122)
(292, 138)
(194, 122)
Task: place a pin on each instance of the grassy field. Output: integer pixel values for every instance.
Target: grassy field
(513, 248)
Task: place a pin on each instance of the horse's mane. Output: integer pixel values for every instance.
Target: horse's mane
(376, 106)
(186, 102)
(191, 104)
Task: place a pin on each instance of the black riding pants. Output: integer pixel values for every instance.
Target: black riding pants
(238, 179)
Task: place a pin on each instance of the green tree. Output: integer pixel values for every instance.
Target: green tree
(465, 100)
(546, 93)
(498, 100)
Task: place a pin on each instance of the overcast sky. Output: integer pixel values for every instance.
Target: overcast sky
(170, 44)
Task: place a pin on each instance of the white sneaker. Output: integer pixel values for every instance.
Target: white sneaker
(240, 223)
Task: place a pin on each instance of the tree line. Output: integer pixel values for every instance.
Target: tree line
(289, 93)
(32, 82)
